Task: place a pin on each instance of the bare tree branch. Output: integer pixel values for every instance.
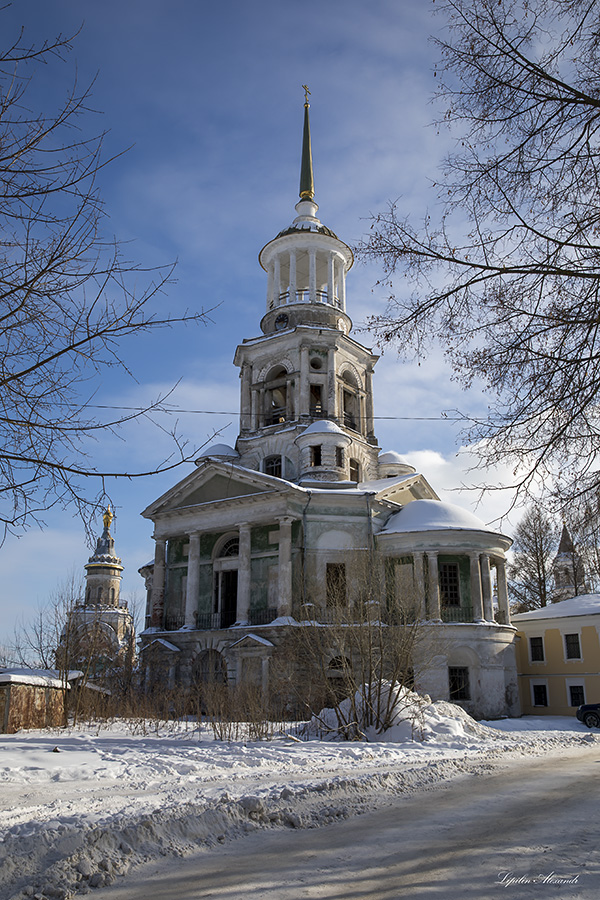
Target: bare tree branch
(508, 277)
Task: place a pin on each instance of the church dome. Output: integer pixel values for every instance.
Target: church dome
(433, 515)
(392, 464)
(219, 450)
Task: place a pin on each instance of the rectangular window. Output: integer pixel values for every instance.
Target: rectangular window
(335, 583)
(540, 695)
(315, 455)
(449, 584)
(576, 694)
(339, 457)
(536, 649)
(458, 683)
(572, 649)
(354, 470)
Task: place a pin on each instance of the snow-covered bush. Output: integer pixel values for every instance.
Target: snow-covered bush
(371, 711)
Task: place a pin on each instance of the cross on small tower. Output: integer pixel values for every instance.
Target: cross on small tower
(306, 93)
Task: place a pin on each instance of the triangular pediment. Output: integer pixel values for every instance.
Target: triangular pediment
(403, 489)
(214, 482)
(251, 640)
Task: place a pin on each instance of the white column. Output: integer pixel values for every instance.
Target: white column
(486, 585)
(502, 591)
(277, 281)
(246, 399)
(331, 383)
(193, 581)
(265, 675)
(270, 288)
(292, 297)
(434, 586)
(312, 275)
(254, 413)
(476, 597)
(331, 279)
(304, 389)
(420, 584)
(342, 287)
(370, 424)
(285, 567)
(158, 585)
(244, 575)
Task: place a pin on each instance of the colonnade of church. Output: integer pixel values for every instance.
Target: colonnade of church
(284, 285)
(481, 593)
(284, 584)
(425, 569)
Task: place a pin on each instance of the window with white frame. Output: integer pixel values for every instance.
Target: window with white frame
(572, 646)
(539, 693)
(576, 694)
(536, 649)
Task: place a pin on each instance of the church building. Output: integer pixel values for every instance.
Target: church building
(292, 523)
(99, 631)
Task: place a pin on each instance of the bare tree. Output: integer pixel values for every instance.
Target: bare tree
(361, 656)
(68, 297)
(505, 270)
(530, 578)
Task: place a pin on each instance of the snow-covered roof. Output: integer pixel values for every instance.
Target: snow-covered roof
(323, 426)
(219, 450)
(391, 457)
(582, 605)
(38, 677)
(433, 515)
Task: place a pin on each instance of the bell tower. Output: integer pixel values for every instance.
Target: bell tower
(306, 370)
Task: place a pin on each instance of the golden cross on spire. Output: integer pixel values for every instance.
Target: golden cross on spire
(306, 94)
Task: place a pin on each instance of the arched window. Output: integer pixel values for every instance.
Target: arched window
(350, 402)
(272, 466)
(210, 668)
(225, 571)
(276, 396)
(230, 548)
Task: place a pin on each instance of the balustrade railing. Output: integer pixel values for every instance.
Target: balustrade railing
(457, 614)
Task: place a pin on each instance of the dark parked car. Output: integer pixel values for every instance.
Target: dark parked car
(589, 714)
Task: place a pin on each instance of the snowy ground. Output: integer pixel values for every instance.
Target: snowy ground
(112, 798)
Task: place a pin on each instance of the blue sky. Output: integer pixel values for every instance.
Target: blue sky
(208, 99)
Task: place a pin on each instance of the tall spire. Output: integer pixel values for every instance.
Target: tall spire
(307, 182)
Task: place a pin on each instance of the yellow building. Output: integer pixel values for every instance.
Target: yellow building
(558, 656)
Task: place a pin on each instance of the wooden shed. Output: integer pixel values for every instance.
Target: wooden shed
(31, 698)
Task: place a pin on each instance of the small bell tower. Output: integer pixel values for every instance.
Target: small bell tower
(103, 569)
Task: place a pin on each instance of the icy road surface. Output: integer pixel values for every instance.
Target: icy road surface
(527, 830)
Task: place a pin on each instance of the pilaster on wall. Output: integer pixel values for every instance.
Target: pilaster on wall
(193, 580)
(158, 585)
(285, 567)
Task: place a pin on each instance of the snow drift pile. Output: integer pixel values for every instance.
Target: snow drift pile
(393, 713)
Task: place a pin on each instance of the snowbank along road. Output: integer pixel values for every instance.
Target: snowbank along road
(81, 810)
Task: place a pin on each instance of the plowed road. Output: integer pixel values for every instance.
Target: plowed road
(529, 829)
